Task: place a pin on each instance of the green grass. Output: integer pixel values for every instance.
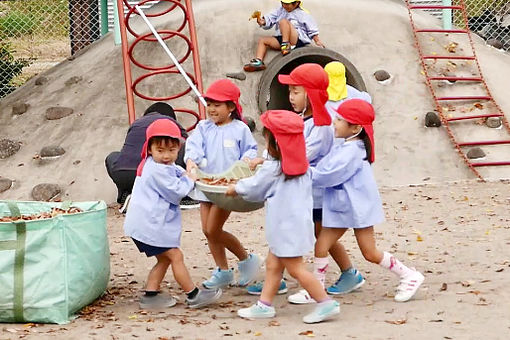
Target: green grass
(34, 17)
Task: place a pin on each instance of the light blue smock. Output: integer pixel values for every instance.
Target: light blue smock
(220, 146)
(352, 93)
(319, 140)
(351, 198)
(154, 216)
(303, 22)
(289, 226)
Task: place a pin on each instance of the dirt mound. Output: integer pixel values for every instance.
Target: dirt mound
(372, 34)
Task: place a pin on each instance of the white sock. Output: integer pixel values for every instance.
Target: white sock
(392, 263)
(320, 268)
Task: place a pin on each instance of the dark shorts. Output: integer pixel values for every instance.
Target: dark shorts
(298, 44)
(148, 249)
(317, 215)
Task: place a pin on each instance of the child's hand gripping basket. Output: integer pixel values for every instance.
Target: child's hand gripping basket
(216, 193)
(52, 263)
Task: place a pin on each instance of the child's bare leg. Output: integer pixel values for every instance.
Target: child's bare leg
(218, 239)
(179, 269)
(366, 242)
(337, 250)
(410, 279)
(263, 44)
(297, 270)
(274, 273)
(327, 238)
(157, 273)
(289, 32)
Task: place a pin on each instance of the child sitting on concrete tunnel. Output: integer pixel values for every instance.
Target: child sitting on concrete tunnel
(294, 26)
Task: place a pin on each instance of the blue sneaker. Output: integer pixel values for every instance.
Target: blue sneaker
(220, 278)
(256, 289)
(249, 269)
(324, 310)
(350, 280)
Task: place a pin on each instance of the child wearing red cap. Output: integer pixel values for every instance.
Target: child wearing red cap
(295, 27)
(351, 198)
(215, 144)
(308, 94)
(153, 220)
(289, 228)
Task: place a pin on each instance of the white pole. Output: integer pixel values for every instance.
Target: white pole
(447, 15)
(170, 54)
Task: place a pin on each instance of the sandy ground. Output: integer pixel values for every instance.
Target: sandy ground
(457, 234)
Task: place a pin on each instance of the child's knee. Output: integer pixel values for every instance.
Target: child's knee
(371, 255)
(284, 22)
(211, 233)
(175, 255)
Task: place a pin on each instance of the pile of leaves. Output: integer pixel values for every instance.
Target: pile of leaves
(42, 215)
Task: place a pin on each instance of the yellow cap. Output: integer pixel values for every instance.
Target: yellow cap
(300, 4)
(337, 89)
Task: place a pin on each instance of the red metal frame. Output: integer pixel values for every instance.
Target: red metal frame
(439, 100)
(128, 55)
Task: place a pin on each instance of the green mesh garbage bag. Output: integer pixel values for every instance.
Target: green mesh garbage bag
(51, 268)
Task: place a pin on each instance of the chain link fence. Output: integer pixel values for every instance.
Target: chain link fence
(37, 34)
(490, 19)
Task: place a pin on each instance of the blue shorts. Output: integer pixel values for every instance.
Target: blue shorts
(317, 215)
(298, 44)
(148, 249)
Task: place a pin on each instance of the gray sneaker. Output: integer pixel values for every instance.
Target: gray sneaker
(156, 301)
(204, 297)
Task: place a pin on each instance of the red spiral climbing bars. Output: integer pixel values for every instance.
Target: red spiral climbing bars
(431, 82)
(166, 34)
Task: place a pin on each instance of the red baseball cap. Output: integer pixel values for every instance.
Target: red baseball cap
(315, 81)
(287, 128)
(159, 127)
(357, 111)
(223, 90)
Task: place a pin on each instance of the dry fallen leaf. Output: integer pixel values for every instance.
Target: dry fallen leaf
(396, 322)
(274, 323)
(444, 287)
(257, 333)
(307, 333)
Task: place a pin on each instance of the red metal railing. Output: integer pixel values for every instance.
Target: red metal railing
(166, 34)
(454, 100)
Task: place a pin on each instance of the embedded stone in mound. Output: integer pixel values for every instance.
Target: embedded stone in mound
(432, 120)
(73, 80)
(52, 151)
(475, 153)
(41, 81)
(382, 75)
(19, 108)
(493, 122)
(8, 148)
(58, 112)
(5, 184)
(46, 191)
(495, 43)
(237, 75)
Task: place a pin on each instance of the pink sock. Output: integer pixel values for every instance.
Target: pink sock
(320, 268)
(265, 303)
(392, 263)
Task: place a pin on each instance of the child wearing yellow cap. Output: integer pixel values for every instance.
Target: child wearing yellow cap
(294, 26)
(338, 89)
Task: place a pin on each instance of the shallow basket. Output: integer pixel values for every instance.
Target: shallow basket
(216, 193)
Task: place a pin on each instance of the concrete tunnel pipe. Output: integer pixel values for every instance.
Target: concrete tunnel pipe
(273, 95)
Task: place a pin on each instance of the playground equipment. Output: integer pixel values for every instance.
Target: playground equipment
(194, 80)
(452, 108)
